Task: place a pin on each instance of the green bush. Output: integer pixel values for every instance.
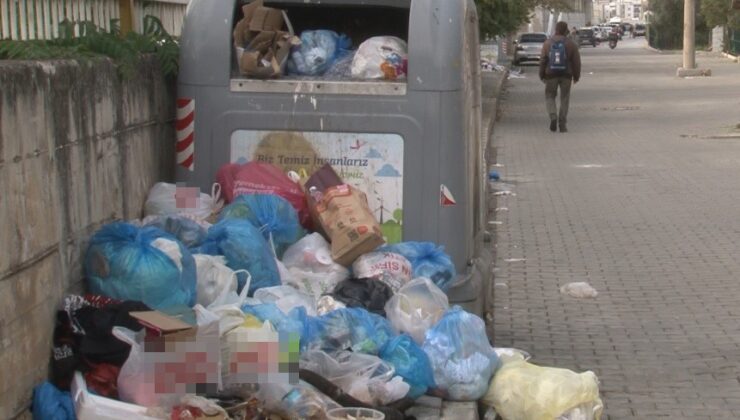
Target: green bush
(94, 42)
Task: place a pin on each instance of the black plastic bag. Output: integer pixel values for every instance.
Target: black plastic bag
(370, 294)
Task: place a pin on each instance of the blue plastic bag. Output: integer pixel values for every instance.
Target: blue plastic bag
(146, 264)
(273, 215)
(348, 329)
(49, 403)
(187, 231)
(411, 363)
(317, 52)
(292, 324)
(427, 260)
(462, 359)
(245, 249)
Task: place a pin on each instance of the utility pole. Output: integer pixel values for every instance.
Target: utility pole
(689, 43)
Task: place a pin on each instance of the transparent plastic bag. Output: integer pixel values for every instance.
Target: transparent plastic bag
(286, 298)
(311, 267)
(363, 376)
(416, 308)
(427, 260)
(348, 329)
(411, 363)
(170, 199)
(300, 401)
(462, 359)
(317, 52)
(392, 269)
(381, 57)
(186, 229)
(521, 390)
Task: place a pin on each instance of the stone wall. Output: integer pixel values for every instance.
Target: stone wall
(79, 146)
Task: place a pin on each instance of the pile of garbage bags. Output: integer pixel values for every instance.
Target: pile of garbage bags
(247, 309)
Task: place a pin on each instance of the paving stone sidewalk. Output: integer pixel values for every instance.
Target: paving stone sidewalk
(642, 200)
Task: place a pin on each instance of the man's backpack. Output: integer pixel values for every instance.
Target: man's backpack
(558, 58)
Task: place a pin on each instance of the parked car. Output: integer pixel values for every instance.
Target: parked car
(529, 47)
(640, 30)
(586, 36)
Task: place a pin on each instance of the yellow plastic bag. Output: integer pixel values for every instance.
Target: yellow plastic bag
(523, 391)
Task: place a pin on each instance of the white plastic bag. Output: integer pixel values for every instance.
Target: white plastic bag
(169, 199)
(521, 390)
(416, 308)
(381, 57)
(286, 298)
(214, 278)
(388, 267)
(365, 377)
(579, 290)
(311, 267)
(147, 377)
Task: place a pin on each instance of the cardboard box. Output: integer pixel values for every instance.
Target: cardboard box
(264, 44)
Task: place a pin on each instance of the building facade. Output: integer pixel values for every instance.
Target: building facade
(628, 10)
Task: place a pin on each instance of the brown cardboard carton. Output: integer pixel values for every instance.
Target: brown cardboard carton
(344, 215)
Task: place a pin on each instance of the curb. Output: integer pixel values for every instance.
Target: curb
(733, 58)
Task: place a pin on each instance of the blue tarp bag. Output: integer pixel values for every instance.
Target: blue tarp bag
(245, 249)
(187, 231)
(411, 363)
(146, 264)
(273, 215)
(462, 359)
(293, 324)
(348, 329)
(317, 52)
(427, 260)
(49, 403)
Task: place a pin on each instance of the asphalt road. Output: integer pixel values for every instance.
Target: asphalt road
(641, 199)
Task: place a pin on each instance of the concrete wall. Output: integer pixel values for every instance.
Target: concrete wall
(718, 39)
(78, 147)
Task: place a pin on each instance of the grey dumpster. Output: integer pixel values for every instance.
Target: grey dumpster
(414, 146)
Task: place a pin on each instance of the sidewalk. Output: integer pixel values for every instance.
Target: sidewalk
(640, 200)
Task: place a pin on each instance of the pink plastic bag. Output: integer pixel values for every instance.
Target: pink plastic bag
(262, 178)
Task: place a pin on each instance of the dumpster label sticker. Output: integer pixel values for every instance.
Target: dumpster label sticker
(373, 163)
(446, 199)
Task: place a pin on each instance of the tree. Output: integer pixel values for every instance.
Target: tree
(666, 25)
(720, 13)
(501, 17)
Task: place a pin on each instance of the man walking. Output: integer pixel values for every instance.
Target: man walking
(560, 67)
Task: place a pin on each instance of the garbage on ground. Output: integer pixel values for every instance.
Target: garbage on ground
(271, 214)
(354, 413)
(370, 294)
(416, 307)
(381, 57)
(311, 267)
(461, 356)
(327, 304)
(348, 329)
(262, 178)
(287, 298)
(143, 264)
(171, 199)
(214, 278)
(363, 376)
(190, 231)
(427, 260)
(293, 326)
(411, 363)
(317, 52)
(392, 269)
(49, 403)
(521, 390)
(580, 290)
(343, 213)
(245, 249)
(300, 401)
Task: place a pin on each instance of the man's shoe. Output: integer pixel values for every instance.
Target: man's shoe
(563, 128)
(553, 125)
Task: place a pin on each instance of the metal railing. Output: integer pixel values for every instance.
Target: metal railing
(733, 42)
(40, 19)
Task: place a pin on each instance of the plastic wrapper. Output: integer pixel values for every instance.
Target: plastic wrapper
(142, 264)
(348, 329)
(311, 267)
(369, 294)
(326, 304)
(271, 214)
(245, 249)
(263, 178)
(170, 199)
(286, 298)
(301, 401)
(381, 57)
(363, 376)
(342, 68)
(462, 359)
(392, 269)
(427, 260)
(416, 308)
(158, 374)
(521, 390)
(411, 363)
(317, 52)
(187, 230)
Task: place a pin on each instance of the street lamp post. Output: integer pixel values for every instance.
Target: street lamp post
(689, 47)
